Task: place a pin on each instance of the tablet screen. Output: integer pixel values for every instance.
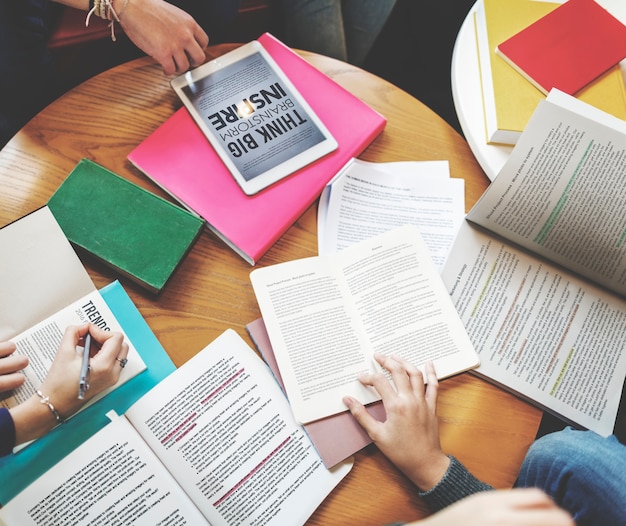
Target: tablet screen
(253, 116)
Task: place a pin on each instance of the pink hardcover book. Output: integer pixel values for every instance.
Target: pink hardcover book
(336, 437)
(179, 158)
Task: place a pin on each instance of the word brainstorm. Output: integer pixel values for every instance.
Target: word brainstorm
(246, 117)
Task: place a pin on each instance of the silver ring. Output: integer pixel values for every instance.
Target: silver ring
(123, 362)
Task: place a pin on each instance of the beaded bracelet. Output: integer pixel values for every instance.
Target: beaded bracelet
(104, 9)
(46, 400)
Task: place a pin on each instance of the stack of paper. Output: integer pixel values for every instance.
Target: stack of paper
(367, 199)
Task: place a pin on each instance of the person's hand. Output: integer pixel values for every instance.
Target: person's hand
(410, 436)
(517, 507)
(32, 418)
(165, 32)
(10, 367)
(61, 382)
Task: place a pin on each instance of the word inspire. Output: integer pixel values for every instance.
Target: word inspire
(245, 116)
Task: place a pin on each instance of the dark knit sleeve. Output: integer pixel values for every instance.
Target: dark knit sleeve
(7, 432)
(456, 484)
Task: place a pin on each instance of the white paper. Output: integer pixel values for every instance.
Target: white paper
(112, 478)
(367, 199)
(561, 194)
(40, 272)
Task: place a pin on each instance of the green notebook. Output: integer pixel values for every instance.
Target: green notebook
(139, 234)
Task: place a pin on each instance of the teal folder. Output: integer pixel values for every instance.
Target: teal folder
(137, 233)
(20, 469)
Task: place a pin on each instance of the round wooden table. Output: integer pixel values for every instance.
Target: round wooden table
(109, 115)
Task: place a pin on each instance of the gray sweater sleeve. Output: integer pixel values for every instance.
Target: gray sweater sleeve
(456, 484)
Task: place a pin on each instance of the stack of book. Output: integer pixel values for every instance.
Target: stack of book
(509, 65)
(180, 159)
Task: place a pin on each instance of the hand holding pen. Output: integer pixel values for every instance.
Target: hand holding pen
(56, 399)
(94, 371)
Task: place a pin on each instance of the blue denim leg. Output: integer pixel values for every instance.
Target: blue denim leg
(363, 21)
(342, 29)
(315, 25)
(583, 472)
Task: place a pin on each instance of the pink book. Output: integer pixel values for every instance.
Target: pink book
(179, 158)
(336, 437)
(568, 48)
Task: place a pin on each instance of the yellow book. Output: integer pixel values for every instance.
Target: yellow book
(508, 98)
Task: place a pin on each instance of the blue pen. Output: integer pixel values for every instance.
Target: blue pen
(83, 383)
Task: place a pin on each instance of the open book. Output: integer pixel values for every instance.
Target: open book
(42, 275)
(213, 443)
(538, 275)
(326, 316)
(44, 287)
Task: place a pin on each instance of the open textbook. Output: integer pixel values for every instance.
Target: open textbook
(213, 443)
(366, 199)
(326, 316)
(41, 275)
(538, 274)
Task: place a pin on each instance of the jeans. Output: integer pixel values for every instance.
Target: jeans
(342, 29)
(583, 472)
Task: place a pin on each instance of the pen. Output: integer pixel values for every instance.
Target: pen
(83, 383)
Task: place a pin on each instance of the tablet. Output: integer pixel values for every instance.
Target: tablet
(253, 116)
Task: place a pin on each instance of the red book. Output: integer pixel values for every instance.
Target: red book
(179, 158)
(567, 48)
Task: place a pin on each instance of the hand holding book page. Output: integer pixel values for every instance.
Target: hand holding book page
(213, 443)
(326, 316)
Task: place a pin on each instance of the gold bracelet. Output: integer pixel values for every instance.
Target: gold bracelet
(46, 400)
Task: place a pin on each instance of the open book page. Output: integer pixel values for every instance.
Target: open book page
(112, 478)
(41, 342)
(561, 194)
(40, 272)
(225, 431)
(31, 462)
(367, 199)
(336, 437)
(325, 316)
(540, 331)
